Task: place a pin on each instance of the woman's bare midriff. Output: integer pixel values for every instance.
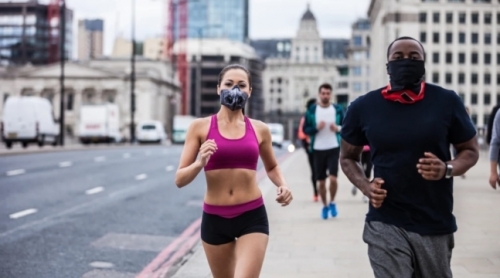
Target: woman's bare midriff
(231, 187)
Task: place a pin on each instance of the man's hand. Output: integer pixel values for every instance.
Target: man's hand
(431, 167)
(494, 180)
(321, 125)
(375, 193)
(334, 127)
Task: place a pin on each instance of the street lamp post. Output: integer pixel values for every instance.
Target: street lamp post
(132, 78)
(62, 24)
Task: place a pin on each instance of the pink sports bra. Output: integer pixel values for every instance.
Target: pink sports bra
(233, 153)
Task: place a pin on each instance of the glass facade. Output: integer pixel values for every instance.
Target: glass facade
(217, 19)
(24, 33)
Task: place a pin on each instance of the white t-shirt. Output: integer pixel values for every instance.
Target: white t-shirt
(325, 139)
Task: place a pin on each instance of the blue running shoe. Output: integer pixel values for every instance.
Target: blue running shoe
(324, 213)
(333, 209)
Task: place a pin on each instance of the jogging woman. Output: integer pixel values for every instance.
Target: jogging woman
(229, 145)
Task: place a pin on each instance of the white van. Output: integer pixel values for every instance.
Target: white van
(277, 134)
(28, 119)
(151, 132)
(181, 125)
(99, 124)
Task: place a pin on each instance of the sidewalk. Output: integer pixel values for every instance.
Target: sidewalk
(303, 245)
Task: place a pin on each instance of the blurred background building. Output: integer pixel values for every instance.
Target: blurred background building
(25, 33)
(90, 39)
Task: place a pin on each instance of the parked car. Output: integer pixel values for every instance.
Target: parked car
(151, 132)
(28, 119)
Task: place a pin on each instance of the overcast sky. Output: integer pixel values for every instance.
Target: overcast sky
(268, 18)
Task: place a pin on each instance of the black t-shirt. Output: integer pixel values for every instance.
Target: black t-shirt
(398, 135)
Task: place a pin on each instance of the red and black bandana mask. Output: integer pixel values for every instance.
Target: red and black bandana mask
(405, 96)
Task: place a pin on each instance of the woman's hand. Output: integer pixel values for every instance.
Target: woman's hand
(207, 149)
(284, 196)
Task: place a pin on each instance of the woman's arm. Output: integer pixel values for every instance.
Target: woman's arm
(189, 167)
(271, 164)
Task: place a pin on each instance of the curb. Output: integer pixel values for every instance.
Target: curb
(264, 183)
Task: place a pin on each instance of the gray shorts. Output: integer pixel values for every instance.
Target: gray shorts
(396, 253)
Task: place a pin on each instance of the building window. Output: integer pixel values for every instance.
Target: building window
(461, 78)
(423, 37)
(487, 58)
(358, 56)
(435, 77)
(449, 58)
(487, 98)
(422, 18)
(486, 118)
(70, 101)
(475, 18)
(435, 37)
(357, 40)
(343, 71)
(449, 37)
(487, 78)
(473, 118)
(449, 17)
(462, 18)
(473, 98)
(498, 79)
(5, 97)
(487, 38)
(462, 96)
(461, 58)
(435, 57)
(498, 38)
(474, 58)
(498, 58)
(435, 17)
(487, 18)
(448, 78)
(475, 38)
(357, 86)
(473, 78)
(356, 71)
(461, 37)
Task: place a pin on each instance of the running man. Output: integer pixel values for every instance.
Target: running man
(410, 225)
(323, 122)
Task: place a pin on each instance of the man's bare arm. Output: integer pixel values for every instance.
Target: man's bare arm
(350, 161)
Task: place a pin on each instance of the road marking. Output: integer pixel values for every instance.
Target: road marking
(16, 172)
(94, 190)
(141, 177)
(169, 168)
(101, 265)
(99, 158)
(126, 155)
(22, 213)
(65, 164)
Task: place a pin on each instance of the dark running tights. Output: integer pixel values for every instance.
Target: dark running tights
(311, 166)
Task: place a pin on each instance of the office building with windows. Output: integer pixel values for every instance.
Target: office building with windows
(358, 57)
(462, 43)
(24, 33)
(90, 39)
(220, 19)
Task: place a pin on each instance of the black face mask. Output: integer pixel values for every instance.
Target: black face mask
(406, 74)
(233, 99)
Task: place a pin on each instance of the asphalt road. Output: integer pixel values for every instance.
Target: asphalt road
(71, 214)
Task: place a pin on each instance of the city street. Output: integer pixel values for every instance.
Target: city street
(69, 214)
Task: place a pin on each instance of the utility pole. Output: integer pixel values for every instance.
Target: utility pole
(62, 24)
(132, 79)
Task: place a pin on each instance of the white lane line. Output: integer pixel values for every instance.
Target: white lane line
(126, 155)
(94, 190)
(141, 177)
(16, 172)
(169, 168)
(99, 158)
(65, 164)
(22, 213)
